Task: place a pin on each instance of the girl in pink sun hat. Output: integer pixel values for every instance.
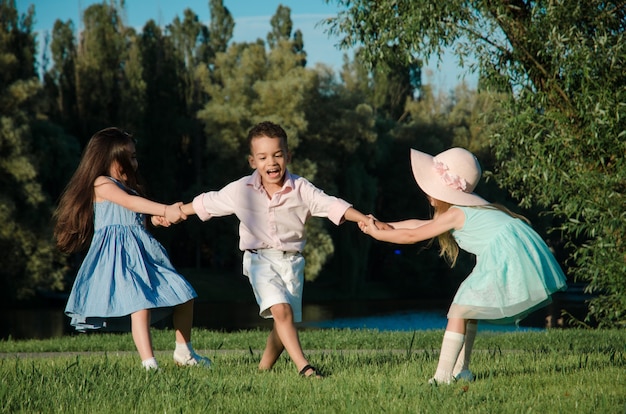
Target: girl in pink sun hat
(515, 272)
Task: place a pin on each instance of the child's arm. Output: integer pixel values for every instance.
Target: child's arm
(408, 224)
(187, 209)
(356, 216)
(454, 218)
(105, 189)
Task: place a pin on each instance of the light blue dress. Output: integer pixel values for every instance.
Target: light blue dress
(125, 270)
(515, 271)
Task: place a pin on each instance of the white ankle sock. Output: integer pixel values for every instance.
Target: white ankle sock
(450, 348)
(150, 363)
(463, 361)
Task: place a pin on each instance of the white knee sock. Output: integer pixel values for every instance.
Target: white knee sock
(463, 361)
(150, 363)
(450, 349)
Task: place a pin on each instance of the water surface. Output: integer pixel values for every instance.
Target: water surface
(50, 321)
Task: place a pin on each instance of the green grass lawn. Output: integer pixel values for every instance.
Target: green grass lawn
(553, 371)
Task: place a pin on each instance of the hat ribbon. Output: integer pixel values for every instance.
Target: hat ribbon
(449, 179)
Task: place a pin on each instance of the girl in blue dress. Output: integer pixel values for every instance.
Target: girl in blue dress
(126, 275)
(515, 272)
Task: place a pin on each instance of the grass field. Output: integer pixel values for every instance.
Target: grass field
(552, 371)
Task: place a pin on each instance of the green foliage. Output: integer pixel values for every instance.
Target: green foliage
(391, 30)
(221, 27)
(565, 148)
(100, 65)
(558, 140)
(29, 260)
(281, 26)
(158, 126)
(318, 250)
(190, 39)
(60, 80)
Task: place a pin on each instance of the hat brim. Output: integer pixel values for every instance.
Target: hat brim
(429, 181)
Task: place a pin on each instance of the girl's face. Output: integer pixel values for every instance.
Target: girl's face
(270, 159)
(133, 156)
(116, 169)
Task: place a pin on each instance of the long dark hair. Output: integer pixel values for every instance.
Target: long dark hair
(73, 217)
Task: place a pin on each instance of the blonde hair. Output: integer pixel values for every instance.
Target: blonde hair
(448, 247)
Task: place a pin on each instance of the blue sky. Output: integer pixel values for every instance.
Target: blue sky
(252, 21)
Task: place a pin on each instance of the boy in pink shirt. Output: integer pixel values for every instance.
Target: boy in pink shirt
(273, 206)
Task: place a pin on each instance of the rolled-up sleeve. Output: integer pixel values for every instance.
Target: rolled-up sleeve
(198, 207)
(218, 203)
(322, 204)
(337, 210)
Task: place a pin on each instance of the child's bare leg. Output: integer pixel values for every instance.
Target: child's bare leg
(183, 321)
(456, 325)
(273, 348)
(140, 328)
(286, 333)
(184, 354)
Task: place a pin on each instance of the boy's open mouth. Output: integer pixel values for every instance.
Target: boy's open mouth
(274, 173)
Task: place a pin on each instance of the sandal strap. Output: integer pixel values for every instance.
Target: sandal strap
(306, 368)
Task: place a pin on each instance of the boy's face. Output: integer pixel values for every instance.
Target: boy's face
(270, 159)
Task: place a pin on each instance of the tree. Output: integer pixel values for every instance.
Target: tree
(159, 134)
(559, 142)
(190, 41)
(60, 80)
(29, 260)
(132, 100)
(282, 26)
(100, 77)
(339, 145)
(221, 26)
(394, 83)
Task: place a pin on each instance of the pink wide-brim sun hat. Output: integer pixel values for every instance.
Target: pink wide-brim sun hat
(450, 176)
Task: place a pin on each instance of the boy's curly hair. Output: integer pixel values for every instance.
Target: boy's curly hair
(268, 129)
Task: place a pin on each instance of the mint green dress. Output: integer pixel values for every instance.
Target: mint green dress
(515, 272)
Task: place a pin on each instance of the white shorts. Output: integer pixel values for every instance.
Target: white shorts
(275, 277)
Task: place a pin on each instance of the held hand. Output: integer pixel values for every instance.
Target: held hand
(379, 224)
(160, 221)
(370, 227)
(363, 224)
(174, 214)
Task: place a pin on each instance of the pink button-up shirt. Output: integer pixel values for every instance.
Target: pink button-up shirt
(271, 223)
